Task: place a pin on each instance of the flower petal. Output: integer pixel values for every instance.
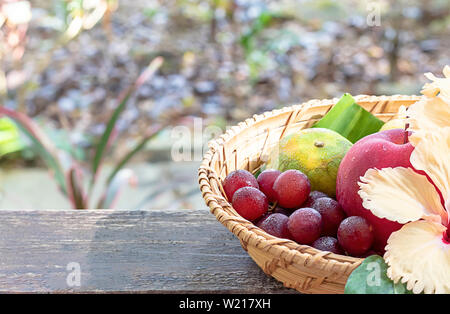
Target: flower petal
(400, 194)
(432, 155)
(402, 113)
(439, 85)
(429, 114)
(417, 255)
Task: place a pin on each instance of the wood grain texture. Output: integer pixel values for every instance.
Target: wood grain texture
(150, 251)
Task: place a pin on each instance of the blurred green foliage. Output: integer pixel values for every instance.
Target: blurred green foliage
(61, 139)
(257, 57)
(246, 52)
(10, 141)
(63, 159)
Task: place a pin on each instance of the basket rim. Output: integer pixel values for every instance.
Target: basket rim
(246, 231)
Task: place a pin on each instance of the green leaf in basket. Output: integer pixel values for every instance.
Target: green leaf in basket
(258, 172)
(350, 120)
(370, 278)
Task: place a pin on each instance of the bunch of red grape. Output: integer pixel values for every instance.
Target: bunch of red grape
(297, 213)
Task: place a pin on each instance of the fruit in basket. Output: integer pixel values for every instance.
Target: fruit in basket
(282, 210)
(332, 214)
(316, 152)
(329, 244)
(291, 188)
(276, 225)
(380, 150)
(305, 225)
(312, 197)
(266, 180)
(236, 180)
(250, 203)
(355, 235)
(394, 124)
(398, 122)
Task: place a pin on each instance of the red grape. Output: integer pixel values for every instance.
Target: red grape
(312, 197)
(355, 235)
(236, 180)
(329, 244)
(282, 210)
(305, 225)
(276, 225)
(332, 214)
(260, 219)
(266, 180)
(250, 203)
(291, 188)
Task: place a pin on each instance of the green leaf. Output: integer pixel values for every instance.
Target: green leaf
(257, 173)
(350, 120)
(107, 135)
(153, 132)
(44, 146)
(75, 189)
(10, 141)
(370, 278)
(259, 24)
(62, 141)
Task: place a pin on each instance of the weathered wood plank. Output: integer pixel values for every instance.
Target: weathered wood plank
(130, 251)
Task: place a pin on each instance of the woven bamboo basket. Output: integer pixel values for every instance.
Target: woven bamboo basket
(244, 146)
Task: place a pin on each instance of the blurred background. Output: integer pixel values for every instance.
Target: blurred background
(64, 65)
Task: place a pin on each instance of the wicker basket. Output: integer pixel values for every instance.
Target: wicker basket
(244, 146)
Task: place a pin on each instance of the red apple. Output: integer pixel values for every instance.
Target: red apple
(379, 150)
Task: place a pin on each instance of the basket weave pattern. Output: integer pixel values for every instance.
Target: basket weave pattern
(245, 146)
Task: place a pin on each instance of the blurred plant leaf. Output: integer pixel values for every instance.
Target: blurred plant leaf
(350, 120)
(282, 41)
(150, 12)
(260, 23)
(75, 188)
(122, 162)
(42, 143)
(122, 178)
(10, 141)
(106, 137)
(61, 139)
(258, 57)
(370, 278)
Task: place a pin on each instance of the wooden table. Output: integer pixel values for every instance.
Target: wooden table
(151, 251)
